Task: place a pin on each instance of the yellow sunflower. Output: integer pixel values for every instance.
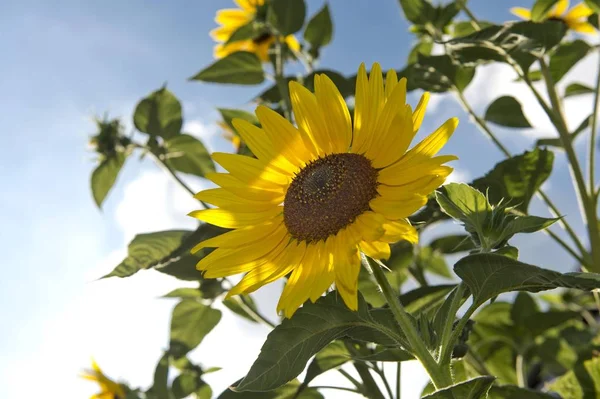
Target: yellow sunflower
(108, 388)
(575, 18)
(233, 19)
(319, 194)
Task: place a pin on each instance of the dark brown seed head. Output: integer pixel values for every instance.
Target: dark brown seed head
(327, 195)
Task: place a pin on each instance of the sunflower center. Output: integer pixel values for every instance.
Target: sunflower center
(327, 195)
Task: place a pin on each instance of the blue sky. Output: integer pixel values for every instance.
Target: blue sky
(65, 62)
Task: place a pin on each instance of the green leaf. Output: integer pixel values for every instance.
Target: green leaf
(319, 29)
(464, 28)
(417, 11)
(159, 114)
(510, 251)
(433, 262)
(514, 392)
(160, 387)
(240, 308)
(147, 250)
(566, 56)
(187, 154)
(185, 384)
(287, 391)
(229, 114)
(105, 175)
(425, 298)
(466, 204)
(582, 382)
(507, 111)
(475, 388)
(444, 14)
(184, 293)
(517, 179)
(541, 9)
(204, 392)
(523, 308)
(576, 89)
(423, 46)
(332, 356)
(452, 244)
(241, 67)
(525, 224)
(190, 323)
(381, 354)
(288, 15)
(594, 5)
(292, 343)
(344, 85)
(245, 32)
(489, 275)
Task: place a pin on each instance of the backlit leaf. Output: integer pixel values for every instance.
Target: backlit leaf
(105, 175)
(159, 114)
(566, 56)
(576, 89)
(475, 388)
(319, 29)
(582, 382)
(187, 154)
(191, 321)
(489, 275)
(507, 111)
(288, 15)
(241, 67)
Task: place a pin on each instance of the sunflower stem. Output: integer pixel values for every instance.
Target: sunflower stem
(280, 80)
(459, 292)
(398, 380)
(438, 375)
(586, 200)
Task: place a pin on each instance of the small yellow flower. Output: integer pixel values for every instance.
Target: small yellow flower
(575, 18)
(108, 388)
(233, 19)
(318, 195)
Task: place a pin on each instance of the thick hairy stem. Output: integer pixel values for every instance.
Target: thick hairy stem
(438, 375)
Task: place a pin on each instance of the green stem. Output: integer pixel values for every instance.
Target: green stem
(458, 294)
(474, 21)
(520, 370)
(592, 149)
(446, 354)
(586, 202)
(370, 387)
(438, 376)
(398, 380)
(255, 314)
(381, 374)
(280, 80)
(353, 380)
(483, 126)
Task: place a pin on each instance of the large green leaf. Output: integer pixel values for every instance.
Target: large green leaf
(507, 111)
(242, 68)
(159, 114)
(583, 382)
(147, 250)
(186, 383)
(523, 224)
(423, 299)
(287, 15)
(190, 323)
(517, 179)
(489, 275)
(452, 244)
(319, 29)
(105, 175)
(475, 388)
(184, 293)
(288, 391)
(438, 73)
(292, 343)
(187, 154)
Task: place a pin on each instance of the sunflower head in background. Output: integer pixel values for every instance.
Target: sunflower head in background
(575, 18)
(109, 389)
(233, 19)
(319, 195)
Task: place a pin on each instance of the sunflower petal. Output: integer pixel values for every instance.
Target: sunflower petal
(376, 249)
(241, 236)
(433, 143)
(559, 9)
(582, 27)
(233, 220)
(521, 12)
(580, 11)
(227, 200)
(335, 110)
(251, 170)
(419, 113)
(396, 230)
(394, 210)
(309, 118)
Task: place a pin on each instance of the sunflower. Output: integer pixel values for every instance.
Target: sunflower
(108, 388)
(575, 18)
(233, 19)
(319, 195)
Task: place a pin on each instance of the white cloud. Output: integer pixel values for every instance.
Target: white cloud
(459, 176)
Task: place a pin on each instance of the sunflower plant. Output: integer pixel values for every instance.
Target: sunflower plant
(330, 192)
